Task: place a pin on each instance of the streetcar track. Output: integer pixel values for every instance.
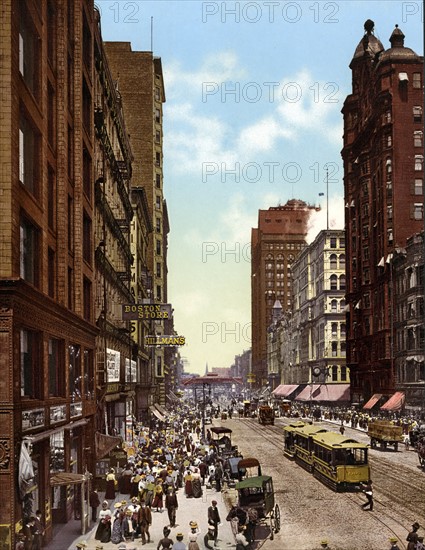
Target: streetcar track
(394, 477)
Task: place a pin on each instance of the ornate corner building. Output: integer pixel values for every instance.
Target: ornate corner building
(383, 186)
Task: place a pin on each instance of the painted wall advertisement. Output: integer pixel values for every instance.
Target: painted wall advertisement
(113, 361)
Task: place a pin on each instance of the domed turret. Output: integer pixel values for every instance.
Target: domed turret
(398, 51)
(369, 43)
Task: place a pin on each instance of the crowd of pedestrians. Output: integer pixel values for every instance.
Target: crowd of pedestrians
(169, 462)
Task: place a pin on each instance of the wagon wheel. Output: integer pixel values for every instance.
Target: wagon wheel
(276, 518)
(271, 525)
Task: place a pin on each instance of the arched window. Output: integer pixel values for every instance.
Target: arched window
(342, 282)
(341, 305)
(334, 282)
(334, 305)
(342, 261)
(333, 261)
(334, 373)
(417, 138)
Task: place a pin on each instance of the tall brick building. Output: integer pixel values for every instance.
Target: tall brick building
(383, 186)
(275, 244)
(47, 204)
(140, 82)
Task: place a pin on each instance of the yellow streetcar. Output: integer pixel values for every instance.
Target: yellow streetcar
(340, 462)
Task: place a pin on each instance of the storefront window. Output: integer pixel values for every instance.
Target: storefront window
(74, 372)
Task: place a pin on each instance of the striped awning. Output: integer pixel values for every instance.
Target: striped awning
(325, 392)
(284, 390)
(372, 401)
(395, 402)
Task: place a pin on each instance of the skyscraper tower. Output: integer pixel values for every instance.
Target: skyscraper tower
(275, 244)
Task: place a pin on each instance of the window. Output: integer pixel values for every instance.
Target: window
(51, 275)
(158, 158)
(417, 113)
(334, 305)
(31, 376)
(343, 349)
(343, 374)
(158, 269)
(159, 366)
(417, 80)
(343, 330)
(74, 372)
(158, 293)
(158, 247)
(29, 252)
(29, 48)
(87, 299)
(87, 238)
(157, 115)
(28, 155)
(334, 330)
(390, 236)
(334, 373)
(342, 302)
(87, 104)
(88, 374)
(51, 190)
(389, 212)
(419, 163)
(389, 140)
(158, 225)
(418, 186)
(158, 136)
(70, 224)
(418, 211)
(87, 41)
(158, 180)
(342, 282)
(333, 242)
(56, 368)
(333, 261)
(387, 116)
(334, 349)
(87, 178)
(158, 202)
(333, 282)
(51, 115)
(418, 138)
(157, 93)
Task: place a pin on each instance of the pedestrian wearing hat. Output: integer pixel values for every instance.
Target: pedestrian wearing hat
(179, 544)
(103, 531)
(171, 504)
(420, 544)
(110, 485)
(165, 543)
(394, 545)
(145, 521)
(214, 518)
(158, 499)
(193, 536)
(209, 538)
(412, 537)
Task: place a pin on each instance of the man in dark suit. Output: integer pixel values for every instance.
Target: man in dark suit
(214, 519)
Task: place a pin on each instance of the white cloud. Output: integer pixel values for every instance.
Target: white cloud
(318, 220)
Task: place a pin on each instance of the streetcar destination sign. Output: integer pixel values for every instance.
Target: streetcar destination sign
(140, 312)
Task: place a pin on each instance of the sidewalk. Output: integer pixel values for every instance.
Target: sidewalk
(190, 509)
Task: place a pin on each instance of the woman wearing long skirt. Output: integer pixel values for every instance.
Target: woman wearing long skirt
(103, 531)
(117, 535)
(110, 485)
(193, 536)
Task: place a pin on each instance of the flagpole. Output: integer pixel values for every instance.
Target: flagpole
(327, 197)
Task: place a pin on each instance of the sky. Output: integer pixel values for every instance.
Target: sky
(254, 92)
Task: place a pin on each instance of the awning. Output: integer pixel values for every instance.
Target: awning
(161, 409)
(395, 402)
(325, 392)
(67, 478)
(284, 390)
(172, 396)
(156, 413)
(105, 443)
(372, 401)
